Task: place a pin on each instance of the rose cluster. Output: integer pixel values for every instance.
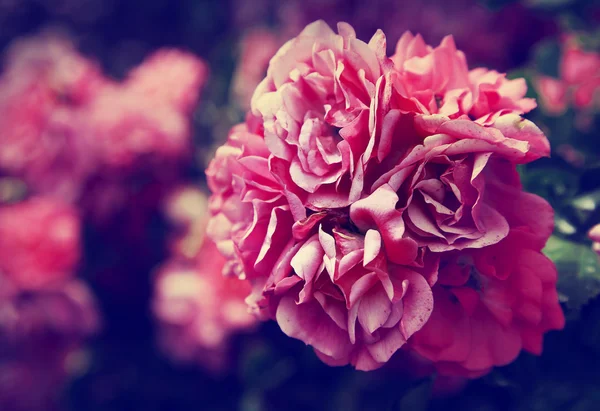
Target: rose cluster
(373, 203)
(45, 311)
(578, 84)
(77, 149)
(196, 307)
(69, 131)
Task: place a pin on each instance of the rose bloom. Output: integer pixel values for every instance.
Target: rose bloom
(437, 80)
(356, 176)
(39, 242)
(170, 75)
(491, 302)
(578, 83)
(198, 309)
(129, 129)
(186, 208)
(594, 235)
(145, 121)
(256, 49)
(44, 85)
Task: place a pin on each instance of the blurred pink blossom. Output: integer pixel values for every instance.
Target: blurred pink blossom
(170, 76)
(256, 49)
(578, 83)
(44, 86)
(198, 309)
(594, 235)
(39, 242)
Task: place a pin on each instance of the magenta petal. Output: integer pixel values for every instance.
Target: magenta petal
(379, 211)
(308, 323)
(382, 350)
(417, 302)
(375, 309)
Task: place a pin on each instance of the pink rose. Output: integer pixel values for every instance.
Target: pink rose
(251, 221)
(44, 85)
(199, 309)
(340, 195)
(319, 106)
(39, 242)
(437, 80)
(170, 76)
(338, 293)
(553, 94)
(442, 188)
(426, 74)
(579, 82)
(493, 92)
(186, 209)
(256, 49)
(489, 304)
(594, 235)
(128, 128)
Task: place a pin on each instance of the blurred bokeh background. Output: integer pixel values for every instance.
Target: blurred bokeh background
(109, 113)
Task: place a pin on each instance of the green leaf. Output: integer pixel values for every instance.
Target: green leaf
(554, 184)
(579, 270)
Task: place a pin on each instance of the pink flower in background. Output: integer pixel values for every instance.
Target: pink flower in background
(45, 313)
(197, 307)
(251, 234)
(490, 303)
(594, 235)
(55, 62)
(199, 310)
(61, 313)
(44, 85)
(357, 174)
(578, 83)
(256, 49)
(145, 121)
(170, 76)
(437, 80)
(63, 124)
(128, 129)
(39, 242)
(187, 210)
(553, 94)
